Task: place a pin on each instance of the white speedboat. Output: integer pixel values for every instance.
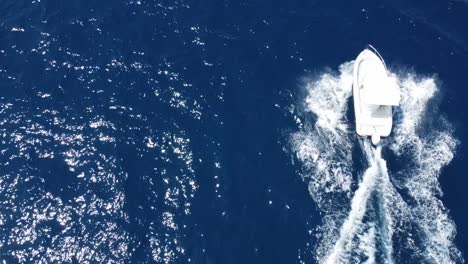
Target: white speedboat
(374, 93)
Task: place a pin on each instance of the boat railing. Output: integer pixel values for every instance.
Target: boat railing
(370, 47)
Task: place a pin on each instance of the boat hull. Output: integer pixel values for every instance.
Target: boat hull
(373, 120)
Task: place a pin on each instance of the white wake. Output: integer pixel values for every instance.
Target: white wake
(378, 215)
(368, 227)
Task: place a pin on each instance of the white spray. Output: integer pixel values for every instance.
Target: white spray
(377, 214)
(375, 179)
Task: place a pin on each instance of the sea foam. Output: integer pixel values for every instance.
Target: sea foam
(365, 213)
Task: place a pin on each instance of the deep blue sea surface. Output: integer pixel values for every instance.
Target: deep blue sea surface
(192, 131)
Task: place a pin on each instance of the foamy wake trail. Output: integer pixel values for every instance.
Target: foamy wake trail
(391, 213)
(375, 180)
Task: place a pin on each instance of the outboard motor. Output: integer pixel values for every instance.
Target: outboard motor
(375, 139)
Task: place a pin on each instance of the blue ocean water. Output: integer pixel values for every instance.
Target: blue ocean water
(162, 131)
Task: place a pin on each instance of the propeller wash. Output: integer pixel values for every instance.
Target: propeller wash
(371, 212)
